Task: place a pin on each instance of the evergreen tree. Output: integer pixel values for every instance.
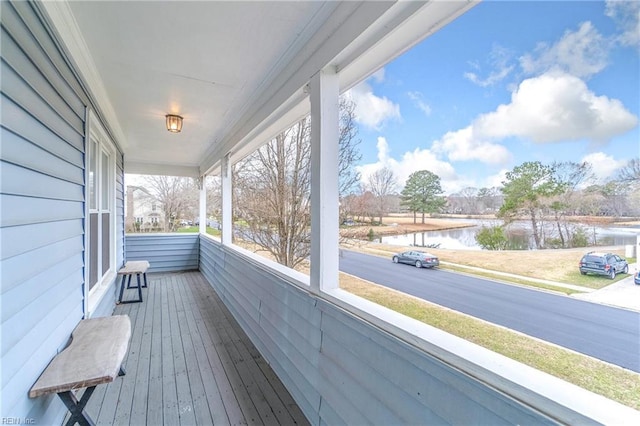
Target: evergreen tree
(526, 188)
(422, 194)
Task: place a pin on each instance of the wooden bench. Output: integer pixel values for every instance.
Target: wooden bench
(94, 356)
(137, 268)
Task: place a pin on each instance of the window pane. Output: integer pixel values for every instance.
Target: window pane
(106, 260)
(105, 182)
(93, 249)
(93, 170)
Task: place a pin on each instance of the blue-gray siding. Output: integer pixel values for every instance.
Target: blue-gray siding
(165, 252)
(341, 369)
(42, 167)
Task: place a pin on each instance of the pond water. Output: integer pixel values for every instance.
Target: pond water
(518, 233)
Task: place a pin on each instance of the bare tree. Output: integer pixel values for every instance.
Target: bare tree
(177, 195)
(630, 172)
(490, 199)
(469, 199)
(272, 195)
(348, 154)
(272, 188)
(213, 187)
(382, 183)
(570, 176)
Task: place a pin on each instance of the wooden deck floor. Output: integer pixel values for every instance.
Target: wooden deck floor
(190, 363)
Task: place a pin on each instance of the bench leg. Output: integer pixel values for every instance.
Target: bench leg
(139, 287)
(124, 277)
(76, 408)
(145, 280)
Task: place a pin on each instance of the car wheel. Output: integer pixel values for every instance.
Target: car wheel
(626, 269)
(612, 273)
(395, 259)
(418, 264)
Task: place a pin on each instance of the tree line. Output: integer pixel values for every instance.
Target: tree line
(272, 188)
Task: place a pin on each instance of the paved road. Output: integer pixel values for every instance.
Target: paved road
(603, 332)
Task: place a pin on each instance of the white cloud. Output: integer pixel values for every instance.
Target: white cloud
(418, 101)
(626, 14)
(378, 76)
(604, 166)
(465, 145)
(582, 53)
(419, 159)
(372, 111)
(499, 59)
(556, 107)
(495, 181)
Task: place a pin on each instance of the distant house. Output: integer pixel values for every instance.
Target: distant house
(142, 212)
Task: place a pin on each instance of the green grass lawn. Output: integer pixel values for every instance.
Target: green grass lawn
(210, 230)
(574, 276)
(589, 373)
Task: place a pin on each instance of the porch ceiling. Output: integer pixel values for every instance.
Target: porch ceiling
(234, 70)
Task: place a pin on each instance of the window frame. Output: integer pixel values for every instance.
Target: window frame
(96, 133)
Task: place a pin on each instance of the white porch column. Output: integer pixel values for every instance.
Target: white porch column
(227, 211)
(324, 180)
(203, 204)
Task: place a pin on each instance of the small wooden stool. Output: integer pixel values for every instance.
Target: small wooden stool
(128, 270)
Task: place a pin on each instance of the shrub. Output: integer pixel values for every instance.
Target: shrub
(492, 238)
(579, 238)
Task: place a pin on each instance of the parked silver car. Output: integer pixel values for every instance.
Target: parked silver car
(420, 259)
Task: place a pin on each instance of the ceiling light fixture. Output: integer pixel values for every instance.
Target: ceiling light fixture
(174, 123)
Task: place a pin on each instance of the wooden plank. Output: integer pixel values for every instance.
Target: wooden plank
(273, 380)
(262, 394)
(111, 398)
(236, 400)
(94, 357)
(134, 267)
(154, 401)
(190, 338)
(169, 396)
(268, 382)
(204, 346)
(141, 388)
(123, 411)
(195, 363)
(185, 406)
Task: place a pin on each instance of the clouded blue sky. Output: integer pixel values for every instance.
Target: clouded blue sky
(505, 83)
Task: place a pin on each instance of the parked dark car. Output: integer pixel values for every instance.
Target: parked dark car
(636, 278)
(420, 259)
(608, 264)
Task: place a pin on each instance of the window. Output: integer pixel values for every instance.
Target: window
(100, 223)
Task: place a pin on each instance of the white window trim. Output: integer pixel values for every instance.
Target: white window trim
(93, 297)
